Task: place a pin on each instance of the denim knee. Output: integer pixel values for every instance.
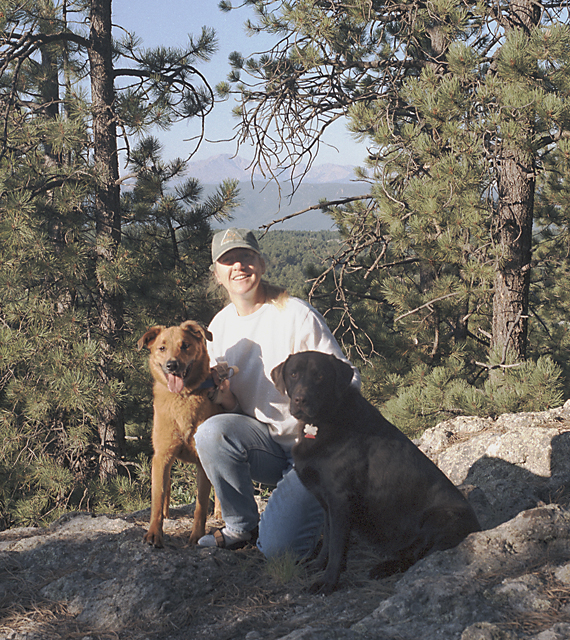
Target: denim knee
(210, 436)
(292, 522)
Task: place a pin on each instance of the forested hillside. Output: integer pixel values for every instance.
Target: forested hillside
(290, 254)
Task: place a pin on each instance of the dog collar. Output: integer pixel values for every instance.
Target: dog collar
(310, 431)
(207, 384)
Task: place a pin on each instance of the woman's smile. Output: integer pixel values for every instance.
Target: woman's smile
(239, 271)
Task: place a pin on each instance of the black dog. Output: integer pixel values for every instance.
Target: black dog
(366, 473)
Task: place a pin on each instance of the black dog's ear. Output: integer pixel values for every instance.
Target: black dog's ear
(277, 377)
(343, 375)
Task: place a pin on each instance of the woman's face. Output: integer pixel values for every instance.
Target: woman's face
(239, 271)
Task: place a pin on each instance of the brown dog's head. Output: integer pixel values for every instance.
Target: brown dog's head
(315, 383)
(178, 355)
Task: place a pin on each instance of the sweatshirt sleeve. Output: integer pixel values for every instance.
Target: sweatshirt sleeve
(316, 336)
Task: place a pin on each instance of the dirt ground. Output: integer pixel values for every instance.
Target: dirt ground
(241, 595)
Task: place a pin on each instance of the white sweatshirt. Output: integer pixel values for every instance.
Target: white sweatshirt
(259, 342)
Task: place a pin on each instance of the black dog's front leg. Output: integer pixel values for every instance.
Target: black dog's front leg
(337, 544)
(320, 562)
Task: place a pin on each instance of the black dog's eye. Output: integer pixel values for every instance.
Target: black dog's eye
(293, 375)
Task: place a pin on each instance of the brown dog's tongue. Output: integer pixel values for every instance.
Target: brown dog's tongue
(175, 383)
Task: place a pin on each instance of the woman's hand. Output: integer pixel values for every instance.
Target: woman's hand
(224, 395)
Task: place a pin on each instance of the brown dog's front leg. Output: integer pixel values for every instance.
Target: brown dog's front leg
(202, 504)
(217, 509)
(166, 498)
(160, 490)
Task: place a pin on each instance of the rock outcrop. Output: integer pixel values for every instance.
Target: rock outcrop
(92, 578)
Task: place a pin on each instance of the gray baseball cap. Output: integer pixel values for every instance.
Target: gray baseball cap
(233, 238)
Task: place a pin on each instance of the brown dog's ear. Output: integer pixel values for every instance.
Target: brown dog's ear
(343, 375)
(277, 377)
(196, 329)
(149, 337)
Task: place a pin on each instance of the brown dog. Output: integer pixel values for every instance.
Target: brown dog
(180, 366)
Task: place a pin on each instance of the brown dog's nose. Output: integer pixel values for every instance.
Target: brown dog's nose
(172, 366)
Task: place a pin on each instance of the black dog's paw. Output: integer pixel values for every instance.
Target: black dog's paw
(318, 564)
(320, 587)
(387, 568)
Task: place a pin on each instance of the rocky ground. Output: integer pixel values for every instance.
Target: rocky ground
(92, 578)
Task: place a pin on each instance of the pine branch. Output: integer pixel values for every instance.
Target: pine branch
(322, 205)
(427, 304)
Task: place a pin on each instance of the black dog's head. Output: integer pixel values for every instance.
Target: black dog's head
(315, 383)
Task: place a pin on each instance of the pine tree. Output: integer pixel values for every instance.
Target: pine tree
(68, 261)
(167, 231)
(460, 107)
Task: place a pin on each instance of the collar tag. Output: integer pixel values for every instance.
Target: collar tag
(310, 431)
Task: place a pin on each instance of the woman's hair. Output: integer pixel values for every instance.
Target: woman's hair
(274, 294)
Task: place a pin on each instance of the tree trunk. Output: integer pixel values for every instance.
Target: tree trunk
(516, 185)
(108, 228)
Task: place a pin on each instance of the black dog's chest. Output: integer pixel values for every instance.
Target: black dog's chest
(321, 465)
(308, 456)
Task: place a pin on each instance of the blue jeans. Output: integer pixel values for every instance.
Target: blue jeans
(235, 450)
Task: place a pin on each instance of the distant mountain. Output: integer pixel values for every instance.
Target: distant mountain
(330, 174)
(221, 167)
(217, 168)
(262, 204)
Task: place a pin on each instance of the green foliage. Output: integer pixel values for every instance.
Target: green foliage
(426, 396)
(58, 376)
(465, 118)
(292, 256)
(184, 485)
(123, 494)
(167, 237)
(49, 388)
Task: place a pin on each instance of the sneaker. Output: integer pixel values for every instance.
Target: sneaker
(227, 539)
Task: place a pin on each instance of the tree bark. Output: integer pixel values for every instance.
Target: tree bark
(108, 228)
(516, 186)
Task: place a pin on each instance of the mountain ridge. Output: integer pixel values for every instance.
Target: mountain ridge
(223, 166)
(264, 201)
(262, 204)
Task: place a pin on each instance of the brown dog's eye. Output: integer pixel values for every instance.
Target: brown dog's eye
(184, 346)
(162, 348)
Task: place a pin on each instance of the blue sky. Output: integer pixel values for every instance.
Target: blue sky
(168, 23)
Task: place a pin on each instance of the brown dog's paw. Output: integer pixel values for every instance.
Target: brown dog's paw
(154, 539)
(195, 536)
